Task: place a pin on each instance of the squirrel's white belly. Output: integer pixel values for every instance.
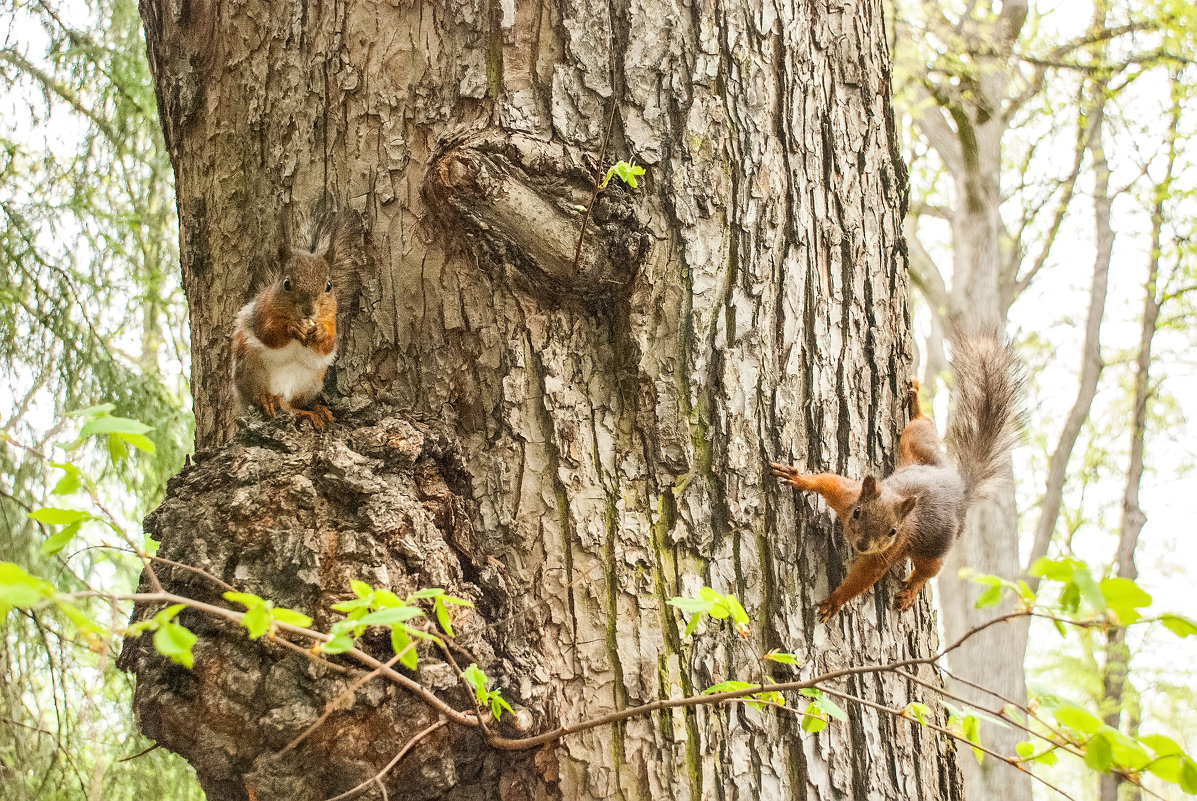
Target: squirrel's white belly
(294, 370)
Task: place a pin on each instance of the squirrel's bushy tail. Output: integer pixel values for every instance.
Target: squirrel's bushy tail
(986, 416)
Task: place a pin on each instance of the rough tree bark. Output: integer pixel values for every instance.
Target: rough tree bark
(602, 426)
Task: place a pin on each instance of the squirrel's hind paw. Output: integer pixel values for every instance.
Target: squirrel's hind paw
(269, 404)
(318, 416)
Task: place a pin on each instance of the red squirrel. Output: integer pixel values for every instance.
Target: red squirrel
(286, 337)
(919, 511)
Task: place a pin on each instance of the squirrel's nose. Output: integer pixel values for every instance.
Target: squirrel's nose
(309, 309)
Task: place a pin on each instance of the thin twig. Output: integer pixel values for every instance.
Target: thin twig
(1016, 764)
(597, 182)
(337, 702)
(379, 776)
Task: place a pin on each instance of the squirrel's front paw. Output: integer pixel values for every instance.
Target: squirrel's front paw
(828, 608)
(906, 598)
(300, 330)
(787, 474)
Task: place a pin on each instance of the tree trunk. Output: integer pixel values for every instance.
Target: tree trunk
(603, 423)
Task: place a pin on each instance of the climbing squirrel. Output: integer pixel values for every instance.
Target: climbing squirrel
(286, 337)
(919, 511)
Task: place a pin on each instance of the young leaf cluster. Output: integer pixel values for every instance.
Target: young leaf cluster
(381, 607)
(714, 604)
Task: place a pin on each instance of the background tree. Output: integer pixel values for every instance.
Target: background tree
(613, 411)
(87, 316)
(970, 76)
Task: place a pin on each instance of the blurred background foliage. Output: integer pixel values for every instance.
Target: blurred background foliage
(91, 312)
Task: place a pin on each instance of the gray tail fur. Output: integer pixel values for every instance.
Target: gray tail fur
(986, 418)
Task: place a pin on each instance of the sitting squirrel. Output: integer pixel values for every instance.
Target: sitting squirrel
(919, 510)
(286, 337)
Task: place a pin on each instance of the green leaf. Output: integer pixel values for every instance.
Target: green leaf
(1179, 625)
(1099, 753)
(442, 616)
(82, 621)
(1025, 592)
(59, 517)
(782, 657)
(1124, 597)
(420, 634)
(1079, 720)
(430, 592)
(474, 676)
(920, 711)
(401, 642)
(692, 625)
(813, 719)
(497, 705)
(360, 588)
(1127, 751)
(1178, 769)
(626, 172)
(168, 614)
(1161, 745)
(113, 425)
(93, 411)
(349, 606)
(56, 542)
(727, 686)
(833, 709)
(248, 600)
(139, 441)
(691, 605)
(1052, 569)
(1070, 599)
(972, 732)
(71, 480)
(175, 643)
(290, 617)
(1026, 750)
(257, 621)
(384, 599)
(989, 598)
(1088, 587)
(738, 615)
(390, 616)
(339, 644)
(720, 610)
(116, 449)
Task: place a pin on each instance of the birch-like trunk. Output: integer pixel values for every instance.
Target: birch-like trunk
(613, 416)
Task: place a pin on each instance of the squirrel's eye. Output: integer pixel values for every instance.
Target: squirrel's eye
(856, 513)
(328, 286)
(286, 284)
(893, 532)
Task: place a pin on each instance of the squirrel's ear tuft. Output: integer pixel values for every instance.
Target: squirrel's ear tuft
(906, 506)
(868, 488)
(281, 247)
